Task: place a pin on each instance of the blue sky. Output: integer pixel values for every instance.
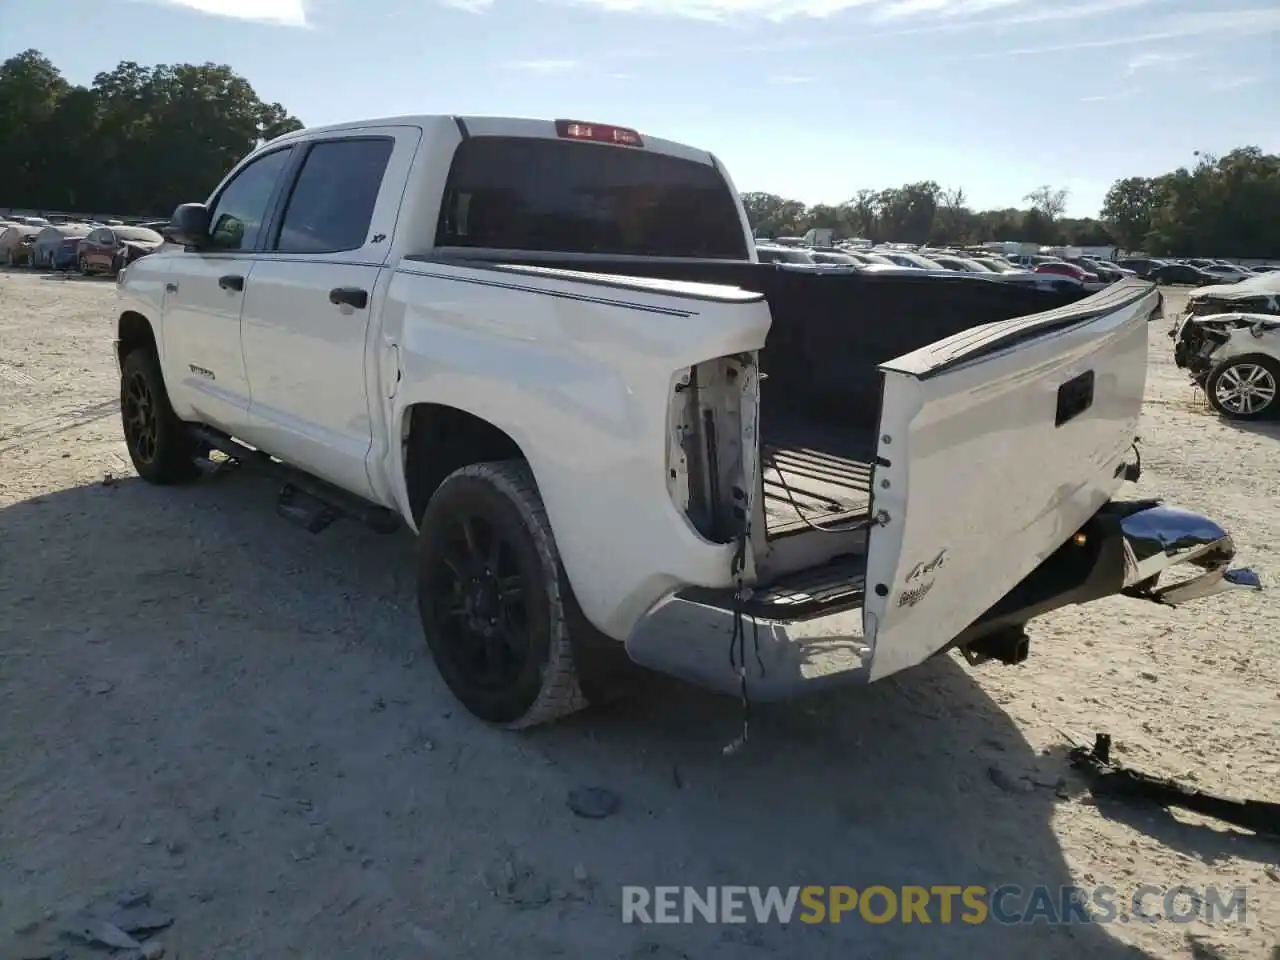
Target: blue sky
(812, 99)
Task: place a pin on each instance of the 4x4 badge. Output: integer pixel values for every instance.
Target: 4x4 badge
(921, 569)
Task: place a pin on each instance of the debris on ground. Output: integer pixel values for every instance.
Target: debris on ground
(594, 803)
(98, 932)
(141, 918)
(516, 884)
(1112, 779)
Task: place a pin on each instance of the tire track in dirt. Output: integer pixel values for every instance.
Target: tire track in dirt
(57, 423)
(15, 376)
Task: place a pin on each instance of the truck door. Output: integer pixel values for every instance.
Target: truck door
(308, 308)
(204, 292)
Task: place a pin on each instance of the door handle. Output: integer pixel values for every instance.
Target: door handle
(170, 288)
(231, 281)
(351, 296)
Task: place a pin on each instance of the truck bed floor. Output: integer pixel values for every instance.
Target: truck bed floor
(826, 471)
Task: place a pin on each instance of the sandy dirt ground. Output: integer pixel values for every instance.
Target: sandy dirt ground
(202, 701)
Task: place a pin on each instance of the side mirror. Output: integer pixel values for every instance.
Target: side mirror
(189, 225)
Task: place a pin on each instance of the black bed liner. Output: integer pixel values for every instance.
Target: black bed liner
(813, 472)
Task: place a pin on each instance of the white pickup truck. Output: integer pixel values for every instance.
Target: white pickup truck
(548, 348)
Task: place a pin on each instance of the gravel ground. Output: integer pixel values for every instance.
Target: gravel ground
(202, 700)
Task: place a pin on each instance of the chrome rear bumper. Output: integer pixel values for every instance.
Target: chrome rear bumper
(1128, 548)
(1160, 538)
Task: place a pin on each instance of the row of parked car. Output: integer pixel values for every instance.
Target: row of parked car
(90, 247)
(1045, 272)
(1193, 271)
(1089, 273)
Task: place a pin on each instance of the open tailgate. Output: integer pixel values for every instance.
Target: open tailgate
(996, 445)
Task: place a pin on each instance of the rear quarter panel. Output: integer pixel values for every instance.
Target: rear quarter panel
(580, 376)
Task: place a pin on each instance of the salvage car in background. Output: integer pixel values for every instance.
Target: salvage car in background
(1182, 273)
(1235, 358)
(1060, 268)
(110, 249)
(58, 246)
(1258, 294)
(15, 244)
(1229, 341)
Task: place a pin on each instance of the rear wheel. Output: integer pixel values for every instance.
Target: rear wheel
(495, 604)
(83, 264)
(1244, 388)
(162, 450)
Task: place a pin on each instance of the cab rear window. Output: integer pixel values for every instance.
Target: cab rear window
(519, 193)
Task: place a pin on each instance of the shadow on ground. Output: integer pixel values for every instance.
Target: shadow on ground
(199, 697)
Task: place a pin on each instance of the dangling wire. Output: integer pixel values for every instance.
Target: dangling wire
(738, 635)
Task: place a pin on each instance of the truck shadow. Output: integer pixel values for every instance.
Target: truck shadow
(265, 695)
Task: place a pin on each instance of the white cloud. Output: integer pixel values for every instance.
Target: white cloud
(951, 9)
(289, 13)
(545, 66)
(1199, 25)
(779, 10)
(726, 10)
(1108, 97)
(470, 6)
(956, 16)
(788, 79)
(1223, 84)
(1155, 61)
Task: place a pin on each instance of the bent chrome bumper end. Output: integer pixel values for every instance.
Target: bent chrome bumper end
(1160, 540)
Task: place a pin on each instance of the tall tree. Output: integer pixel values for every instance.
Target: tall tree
(1048, 202)
(138, 139)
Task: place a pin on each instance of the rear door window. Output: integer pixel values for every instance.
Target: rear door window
(516, 193)
(331, 206)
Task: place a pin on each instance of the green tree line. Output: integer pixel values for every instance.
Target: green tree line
(139, 140)
(1226, 207)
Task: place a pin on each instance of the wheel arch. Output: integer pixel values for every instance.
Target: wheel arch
(438, 439)
(134, 332)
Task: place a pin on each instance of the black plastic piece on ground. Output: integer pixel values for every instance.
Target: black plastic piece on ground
(1111, 779)
(311, 514)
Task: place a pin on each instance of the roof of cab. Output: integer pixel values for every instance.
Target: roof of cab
(485, 126)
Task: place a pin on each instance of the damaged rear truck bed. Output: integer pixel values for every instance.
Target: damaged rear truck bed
(547, 347)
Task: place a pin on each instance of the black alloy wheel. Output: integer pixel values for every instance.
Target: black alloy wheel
(160, 445)
(495, 604)
(138, 414)
(481, 602)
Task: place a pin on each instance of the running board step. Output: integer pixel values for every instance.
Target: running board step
(304, 499)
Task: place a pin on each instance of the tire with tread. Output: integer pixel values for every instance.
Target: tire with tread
(173, 460)
(505, 495)
(1269, 364)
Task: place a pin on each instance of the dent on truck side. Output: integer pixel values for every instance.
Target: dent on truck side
(581, 381)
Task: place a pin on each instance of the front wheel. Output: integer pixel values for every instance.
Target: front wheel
(1244, 388)
(494, 600)
(162, 450)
